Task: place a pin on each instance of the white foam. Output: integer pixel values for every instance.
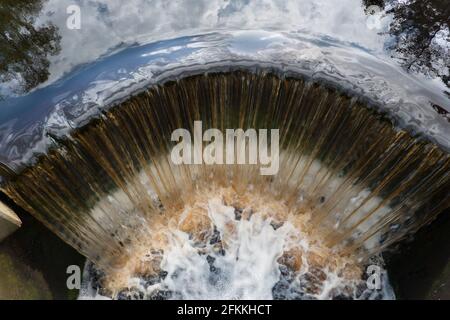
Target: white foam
(247, 269)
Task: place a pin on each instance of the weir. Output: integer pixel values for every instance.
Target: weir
(352, 176)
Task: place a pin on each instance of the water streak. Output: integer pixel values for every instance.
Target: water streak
(364, 183)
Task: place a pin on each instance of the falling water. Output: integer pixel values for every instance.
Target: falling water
(223, 247)
(351, 183)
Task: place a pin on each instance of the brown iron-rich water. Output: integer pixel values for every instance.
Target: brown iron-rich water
(355, 181)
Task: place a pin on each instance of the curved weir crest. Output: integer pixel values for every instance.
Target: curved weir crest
(86, 91)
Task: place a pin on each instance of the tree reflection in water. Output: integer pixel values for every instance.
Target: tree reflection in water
(420, 35)
(25, 47)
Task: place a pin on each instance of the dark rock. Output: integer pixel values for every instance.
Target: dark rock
(238, 213)
(215, 238)
(161, 295)
(130, 294)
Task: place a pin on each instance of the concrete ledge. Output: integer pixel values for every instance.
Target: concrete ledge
(9, 221)
(34, 261)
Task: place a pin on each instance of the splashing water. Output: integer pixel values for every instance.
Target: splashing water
(245, 270)
(218, 251)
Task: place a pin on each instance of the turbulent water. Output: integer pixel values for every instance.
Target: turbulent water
(218, 251)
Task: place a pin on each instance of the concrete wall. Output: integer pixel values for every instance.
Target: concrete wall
(33, 262)
(9, 221)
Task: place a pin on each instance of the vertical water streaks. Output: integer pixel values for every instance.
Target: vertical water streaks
(367, 182)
